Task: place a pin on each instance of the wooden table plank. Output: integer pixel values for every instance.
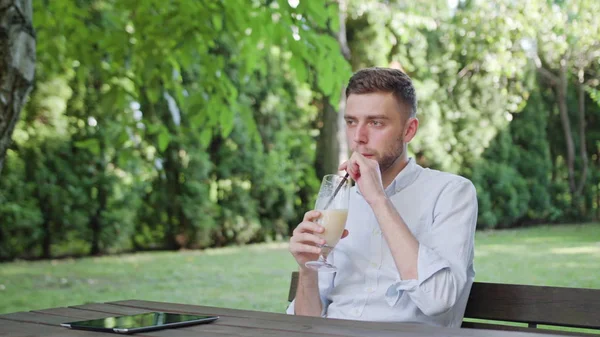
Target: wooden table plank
(232, 323)
(279, 317)
(52, 318)
(9, 328)
(286, 324)
(38, 318)
(109, 308)
(315, 325)
(238, 326)
(209, 329)
(220, 330)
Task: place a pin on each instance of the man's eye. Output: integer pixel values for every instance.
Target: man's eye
(376, 123)
(349, 122)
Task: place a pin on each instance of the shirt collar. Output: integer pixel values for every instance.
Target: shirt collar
(404, 178)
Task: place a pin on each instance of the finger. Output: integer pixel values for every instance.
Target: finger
(311, 215)
(345, 233)
(354, 171)
(355, 156)
(308, 226)
(351, 168)
(300, 249)
(366, 162)
(308, 238)
(361, 160)
(343, 166)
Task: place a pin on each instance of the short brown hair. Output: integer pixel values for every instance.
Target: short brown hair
(370, 80)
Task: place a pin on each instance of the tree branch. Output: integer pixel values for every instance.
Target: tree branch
(342, 39)
(582, 145)
(548, 75)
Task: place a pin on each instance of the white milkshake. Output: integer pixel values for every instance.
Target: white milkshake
(334, 222)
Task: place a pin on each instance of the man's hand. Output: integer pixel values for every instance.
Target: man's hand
(305, 242)
(367, 175)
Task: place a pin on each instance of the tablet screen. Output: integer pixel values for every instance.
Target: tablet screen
(132, 322)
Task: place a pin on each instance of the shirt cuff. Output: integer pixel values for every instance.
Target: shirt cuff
(291, 309)
(428, 264)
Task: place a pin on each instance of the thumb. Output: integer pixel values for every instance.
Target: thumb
(343, 166)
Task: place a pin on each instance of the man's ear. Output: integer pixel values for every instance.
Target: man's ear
(410, 129)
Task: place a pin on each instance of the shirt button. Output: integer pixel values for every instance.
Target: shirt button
(370, 289)
(373, 264)
(356, 312)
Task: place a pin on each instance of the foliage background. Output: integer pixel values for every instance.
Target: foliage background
(194, 124)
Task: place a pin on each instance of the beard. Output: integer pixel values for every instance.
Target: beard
(391, 155)
(388, 157)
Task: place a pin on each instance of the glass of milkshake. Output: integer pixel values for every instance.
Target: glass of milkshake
(334, 213)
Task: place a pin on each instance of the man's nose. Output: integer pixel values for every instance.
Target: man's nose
(360, 134)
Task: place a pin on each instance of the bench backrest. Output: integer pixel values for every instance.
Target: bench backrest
(534, 305)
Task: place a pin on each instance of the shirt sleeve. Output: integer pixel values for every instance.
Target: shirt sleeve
(445, 255)
(325, 288)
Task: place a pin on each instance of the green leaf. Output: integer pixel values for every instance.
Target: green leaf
(92, 145)
(326, 78)
(123, 137)
(594, 94)
(298, 65)
(316, 11)
(205, 137)
(217, 21)
(226, 120)
(197, 120)
(249, 122)
(153, 95)
(152, 128)
(163, 139)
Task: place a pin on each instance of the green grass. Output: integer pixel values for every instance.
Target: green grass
(567, 256)
(257, 277)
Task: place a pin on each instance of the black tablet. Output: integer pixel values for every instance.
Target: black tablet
(140, 322)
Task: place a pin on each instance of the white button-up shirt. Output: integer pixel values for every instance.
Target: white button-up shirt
(440, 210)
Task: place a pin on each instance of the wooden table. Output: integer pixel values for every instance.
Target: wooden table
(232, 323)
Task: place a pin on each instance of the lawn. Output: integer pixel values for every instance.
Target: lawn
(257, 277)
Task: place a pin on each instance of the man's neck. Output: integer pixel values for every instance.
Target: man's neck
(391, 172)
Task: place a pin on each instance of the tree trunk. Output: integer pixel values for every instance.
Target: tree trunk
(17, 65)
(95, 227)
(47, 239)
(328, 146)
(214, 148)
(582, 140)
(171, 185)
(331, 145)
(343, 41)
(96, 220)
(598, 188)
(561, 91)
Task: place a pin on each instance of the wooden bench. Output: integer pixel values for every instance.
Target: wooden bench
(533, 305)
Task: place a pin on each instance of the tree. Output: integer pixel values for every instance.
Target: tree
(17, 65)
(163, 97)
(331, 147)
(565, 48)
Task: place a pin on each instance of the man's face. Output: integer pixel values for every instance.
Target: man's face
(375, 127)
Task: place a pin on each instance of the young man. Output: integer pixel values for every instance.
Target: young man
(407, 252)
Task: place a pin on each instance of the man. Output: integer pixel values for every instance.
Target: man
(407, 252)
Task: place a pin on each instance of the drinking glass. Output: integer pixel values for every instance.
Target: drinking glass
(334, 212)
